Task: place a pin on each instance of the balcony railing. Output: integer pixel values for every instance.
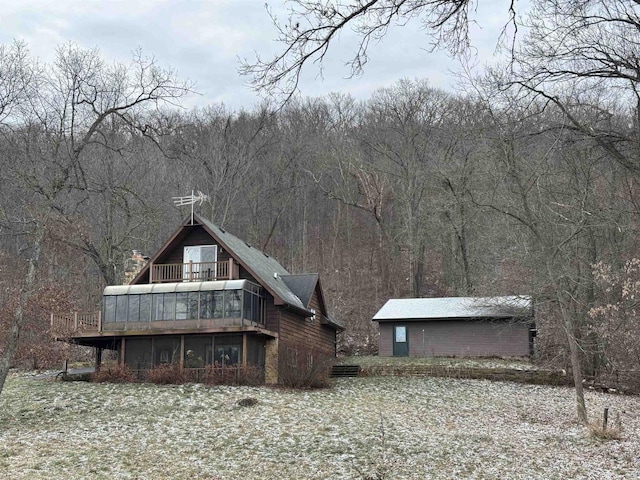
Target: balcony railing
(191, 272)
(64, 325)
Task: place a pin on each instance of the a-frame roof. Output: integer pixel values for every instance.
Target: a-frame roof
(264, 268)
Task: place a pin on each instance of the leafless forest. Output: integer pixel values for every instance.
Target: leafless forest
(527, 183)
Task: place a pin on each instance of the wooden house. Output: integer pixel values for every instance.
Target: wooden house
(207, 298)
(457, 326)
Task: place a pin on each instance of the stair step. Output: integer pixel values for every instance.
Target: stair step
(345, 370)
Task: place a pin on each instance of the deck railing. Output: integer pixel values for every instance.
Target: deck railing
(77, 321)
(88, 324)
(190, 272)
(210, 374)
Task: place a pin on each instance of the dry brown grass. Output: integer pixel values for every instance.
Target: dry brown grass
(167, 375)
(609, 433)
(602, 431)
(113, 374)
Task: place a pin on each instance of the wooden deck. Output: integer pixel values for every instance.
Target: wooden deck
(66, 325)
(89, 325)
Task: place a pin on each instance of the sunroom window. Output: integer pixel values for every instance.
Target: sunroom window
(184, 302)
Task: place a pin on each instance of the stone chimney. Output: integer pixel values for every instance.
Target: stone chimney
(133, 265)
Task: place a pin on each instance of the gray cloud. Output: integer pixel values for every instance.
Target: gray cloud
(202, 40)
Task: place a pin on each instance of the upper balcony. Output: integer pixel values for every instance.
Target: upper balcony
(192, 272)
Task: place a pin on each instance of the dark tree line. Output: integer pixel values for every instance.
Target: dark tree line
(415, 192)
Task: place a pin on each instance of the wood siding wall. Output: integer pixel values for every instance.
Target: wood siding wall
(460, 338)
(244, 275)
(298, 331)
(273, 315)
(195, 235)
(295, 331)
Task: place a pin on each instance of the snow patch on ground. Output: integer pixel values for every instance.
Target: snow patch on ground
(403, 428)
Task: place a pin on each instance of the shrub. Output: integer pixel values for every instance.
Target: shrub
(230, 375)
(113, 374)
(300, 367)
(168, 375)
(250, 375)
(173, 375)
(217, 375)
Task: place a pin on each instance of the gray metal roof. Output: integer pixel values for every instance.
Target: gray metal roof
(455, 307)
(263, 266)
(176, 287)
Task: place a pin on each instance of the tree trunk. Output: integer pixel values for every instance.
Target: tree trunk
(576, 367)
(574, 350)
(25, 294)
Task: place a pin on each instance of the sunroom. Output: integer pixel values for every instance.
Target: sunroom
(184, 305)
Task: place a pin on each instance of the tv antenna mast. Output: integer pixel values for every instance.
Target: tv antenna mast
(192, 199)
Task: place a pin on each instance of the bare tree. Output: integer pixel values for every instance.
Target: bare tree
(543, 185)
(312, 26)
(581, 56)
(28, 287)
(219, 151)
(54, 116)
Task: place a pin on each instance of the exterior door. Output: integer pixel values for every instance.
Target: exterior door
(400, 341)
(198, 270)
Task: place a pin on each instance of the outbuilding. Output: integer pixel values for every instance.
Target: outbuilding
(457, 326)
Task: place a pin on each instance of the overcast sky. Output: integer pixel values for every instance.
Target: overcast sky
(203, 40)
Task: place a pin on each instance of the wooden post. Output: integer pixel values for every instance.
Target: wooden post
(52, 320)
(98, 359)
(231, 272)
(151, 273)
(122, 347)
(605, 419)
(181, 352)
(244, 349)
(75, 320)
(99, 320)
(191, 270)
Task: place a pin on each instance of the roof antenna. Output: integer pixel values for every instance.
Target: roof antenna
(191, 200)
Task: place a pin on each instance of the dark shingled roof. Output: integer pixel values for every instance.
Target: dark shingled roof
(302, 285)
(295, 290)
(262, 265)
